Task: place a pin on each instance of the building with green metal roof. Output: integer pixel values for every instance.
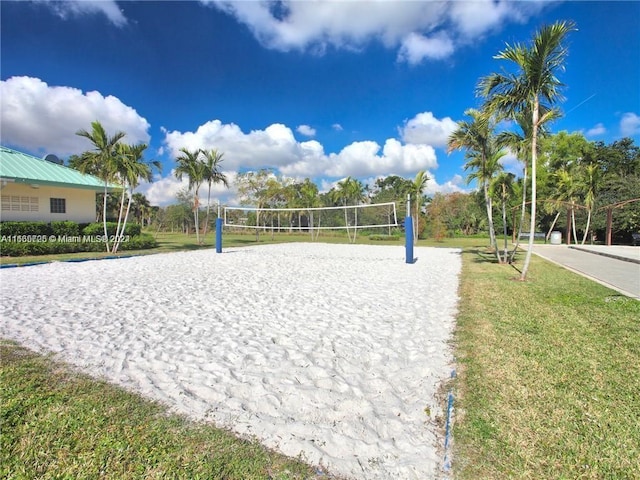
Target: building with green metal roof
(42, 189)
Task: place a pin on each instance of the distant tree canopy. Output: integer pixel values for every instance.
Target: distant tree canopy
(576, 178)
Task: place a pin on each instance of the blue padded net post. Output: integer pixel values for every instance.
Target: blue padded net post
(218, 235)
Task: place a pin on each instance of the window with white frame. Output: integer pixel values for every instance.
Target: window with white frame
(58, 205)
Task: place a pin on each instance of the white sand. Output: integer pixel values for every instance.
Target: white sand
(329, 351)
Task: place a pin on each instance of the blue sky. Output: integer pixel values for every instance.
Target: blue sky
(312, 89)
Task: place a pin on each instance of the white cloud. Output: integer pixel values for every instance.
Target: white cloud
(425, 128)
(630, 124)
(450, 186)
(41, 118)
(512, 164)
(320, 24)
(598, 129)
(76, 8)
(415, 48)
(306, 130)
(421, 30)
(480, 16)
(276, 147)
(163, 191)
(337, 127)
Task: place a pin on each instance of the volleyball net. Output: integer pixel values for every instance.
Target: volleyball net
(315, 219)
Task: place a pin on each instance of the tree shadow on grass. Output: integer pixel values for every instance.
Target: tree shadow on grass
(186, 247)
(248, 241)
(486, 255)
(482, 255)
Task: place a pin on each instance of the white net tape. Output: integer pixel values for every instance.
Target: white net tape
(372, 215)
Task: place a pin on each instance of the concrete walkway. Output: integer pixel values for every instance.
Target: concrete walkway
(616, 267)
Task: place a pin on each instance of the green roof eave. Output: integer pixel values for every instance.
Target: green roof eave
(22, 168)
(49, 183)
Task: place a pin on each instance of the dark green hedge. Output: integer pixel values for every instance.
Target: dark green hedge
(10, 229)
(64, 228)
(40, 238)
(21, 249)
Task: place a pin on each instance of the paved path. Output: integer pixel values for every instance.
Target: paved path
(616, 267)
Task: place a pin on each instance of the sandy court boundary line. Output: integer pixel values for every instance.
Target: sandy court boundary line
(332, 352)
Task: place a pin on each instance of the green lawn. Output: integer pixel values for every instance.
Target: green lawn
(549, 375)
(548, 386)
(174, 242)
(58, 424)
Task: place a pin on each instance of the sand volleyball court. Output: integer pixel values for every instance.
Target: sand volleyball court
(331, 352)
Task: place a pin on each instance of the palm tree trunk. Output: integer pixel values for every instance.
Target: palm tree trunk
(118, 240)
(573, 224)
(504, 228)
(553, 224)
(534, 160)
(415, 222)
(492, 230)
(318, 230)
(196, 208)
(120, 211)
(104, 217)
(523, 210)
(346, 223)
(586, 232)
(206, 222)
(355, 231)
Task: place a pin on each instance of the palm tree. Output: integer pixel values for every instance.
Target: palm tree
(588, 182)
(535, 86)
(121, 166)
(520, 145)
(308, 198)
(502, 188)
(253, 190)
(132, 170)
(141, 207)
(274, 196)
(476, 136)
(417, 198)
(567, 191)
(212, 175)
(349, 191)
(189, 164)
(101, 162)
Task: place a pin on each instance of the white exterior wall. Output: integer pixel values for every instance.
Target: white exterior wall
(34, 204)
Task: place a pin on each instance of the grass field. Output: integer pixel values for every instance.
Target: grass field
(549, 375)
(548, 386)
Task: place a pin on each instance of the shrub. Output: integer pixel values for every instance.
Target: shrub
(133, 229)
(139, 242)
(10, 229)
(13, 249)
(21, 249)
(94, 229)
(65, 228)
